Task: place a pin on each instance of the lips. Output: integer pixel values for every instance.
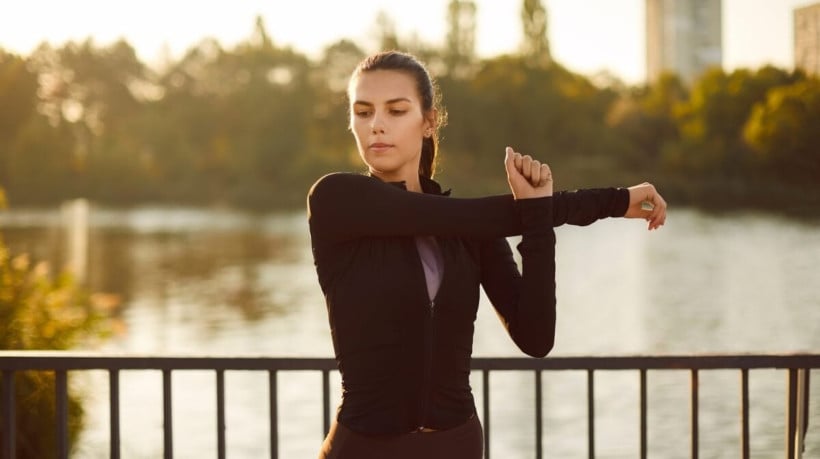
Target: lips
(379, 146)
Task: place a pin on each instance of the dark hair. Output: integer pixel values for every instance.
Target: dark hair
(428, 92)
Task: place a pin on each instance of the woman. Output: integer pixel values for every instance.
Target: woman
(400, 264)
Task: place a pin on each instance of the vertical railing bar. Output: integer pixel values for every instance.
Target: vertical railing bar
(9, 421)
(274, 414)
(799, 418)
(485, 379)
(538, 416)
(695, 412)
(744, 413)
(220, 413)
(791, 399)
(167, 417)
(806, 399)
(326, 401)
(643, 414)
(591, 413)
(9, 424)
(61, 409)
(114, 412)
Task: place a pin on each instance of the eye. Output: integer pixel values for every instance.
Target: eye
(397, 111)
(361, 113)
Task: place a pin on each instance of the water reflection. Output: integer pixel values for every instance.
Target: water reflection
(221, 282)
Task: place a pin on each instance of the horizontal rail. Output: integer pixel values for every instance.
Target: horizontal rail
(798, 366)
(68, 360)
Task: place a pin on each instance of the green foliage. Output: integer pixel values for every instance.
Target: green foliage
(18, 89)
(35, 415)
(253, 126)
(784, 133)
(38, 311)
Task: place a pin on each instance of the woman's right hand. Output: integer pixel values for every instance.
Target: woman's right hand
(528, 178)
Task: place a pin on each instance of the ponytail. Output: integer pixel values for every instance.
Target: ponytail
(427, 164)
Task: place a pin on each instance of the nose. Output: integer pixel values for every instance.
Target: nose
(376, 125)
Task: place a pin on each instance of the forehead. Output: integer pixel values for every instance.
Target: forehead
(381, 85)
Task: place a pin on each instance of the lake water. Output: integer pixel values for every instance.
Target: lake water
(218, 282)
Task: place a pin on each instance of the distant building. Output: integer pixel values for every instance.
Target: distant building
(683, 37)
(807, 39)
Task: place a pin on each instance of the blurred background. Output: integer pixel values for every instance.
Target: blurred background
(155, 158)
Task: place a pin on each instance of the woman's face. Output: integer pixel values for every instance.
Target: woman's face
(388, 123)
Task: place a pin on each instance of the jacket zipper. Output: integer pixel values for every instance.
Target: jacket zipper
(429, 340)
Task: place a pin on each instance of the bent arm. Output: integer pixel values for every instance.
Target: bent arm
(525, 302)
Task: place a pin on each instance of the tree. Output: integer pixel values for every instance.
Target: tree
(18, 97)
(783, 132)
(459, 52)
(535, 47)
(386, 32)
(647, 117)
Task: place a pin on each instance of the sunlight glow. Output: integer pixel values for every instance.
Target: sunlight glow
(587, 36)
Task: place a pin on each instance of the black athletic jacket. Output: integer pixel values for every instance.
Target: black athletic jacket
(404, 360)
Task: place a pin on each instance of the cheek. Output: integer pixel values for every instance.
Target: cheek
(356, 130)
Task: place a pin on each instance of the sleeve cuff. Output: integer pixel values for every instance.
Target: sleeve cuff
(536, 215)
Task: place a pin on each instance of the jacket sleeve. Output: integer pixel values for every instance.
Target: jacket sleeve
(525, 302)
(343, 206)
(583, 207)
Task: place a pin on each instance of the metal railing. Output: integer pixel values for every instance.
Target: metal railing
(797, 366)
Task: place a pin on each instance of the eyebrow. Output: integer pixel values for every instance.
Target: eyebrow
(391, 101)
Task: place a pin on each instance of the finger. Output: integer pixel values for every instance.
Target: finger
(546, 175)
(535, 173)
(518, 160)
(661, 217)
(658, 217)
(509, 160)
(526, 166)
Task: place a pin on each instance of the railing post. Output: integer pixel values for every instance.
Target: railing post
(220, 414)
(114, 412)
(61, 411)
(695, 412)
(485, 376)
(9, 420)
(538, 416)
(167, 417)
(744, 413)
(791, 415)
(591, 413)
(800, 417)
(274, 415)
(806, 385)
(643, 414)
(326, 401)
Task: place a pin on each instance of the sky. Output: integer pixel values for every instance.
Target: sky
(586, 36)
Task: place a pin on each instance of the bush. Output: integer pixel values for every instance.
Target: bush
(39, 311)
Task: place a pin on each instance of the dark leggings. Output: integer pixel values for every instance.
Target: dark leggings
(463, 442)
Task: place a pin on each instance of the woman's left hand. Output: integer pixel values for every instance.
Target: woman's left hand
(645, 202)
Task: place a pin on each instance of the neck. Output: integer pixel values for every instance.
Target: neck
(411, 181)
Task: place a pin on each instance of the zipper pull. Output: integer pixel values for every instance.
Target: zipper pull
(432, 307)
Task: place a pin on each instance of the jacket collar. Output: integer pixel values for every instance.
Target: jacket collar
(428, 185)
